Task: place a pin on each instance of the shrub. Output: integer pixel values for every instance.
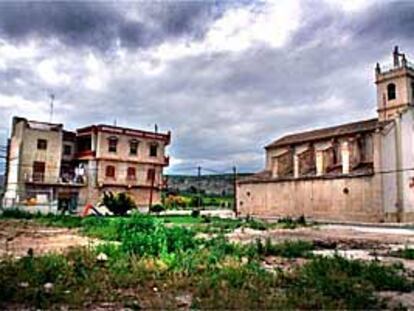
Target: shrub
(16, 213)
(118, 204)
(195, 213)
(196, 201)
(346, 284)
(157, 208)
(406, 253)
(146, 235)
(256, 224)
(289, 249)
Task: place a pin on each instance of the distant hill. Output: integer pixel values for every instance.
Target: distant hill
(221, 184)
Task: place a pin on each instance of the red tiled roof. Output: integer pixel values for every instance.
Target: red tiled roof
(325, 133)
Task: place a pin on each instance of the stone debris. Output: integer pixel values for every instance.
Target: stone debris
(48, 287)
(184, 300)
(102, 257)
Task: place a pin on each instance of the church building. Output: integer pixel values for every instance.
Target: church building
(357, 172)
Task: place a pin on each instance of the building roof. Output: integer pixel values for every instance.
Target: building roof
(325, 133)
(117, 130)
(38, 125)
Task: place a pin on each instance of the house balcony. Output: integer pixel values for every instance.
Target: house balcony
(129, 182)
(86, 154)
(43, 179)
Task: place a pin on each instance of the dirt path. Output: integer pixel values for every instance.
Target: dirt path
(334, 236)
(18, 236)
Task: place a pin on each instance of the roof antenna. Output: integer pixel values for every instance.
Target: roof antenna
(52, 98)
(156, 128)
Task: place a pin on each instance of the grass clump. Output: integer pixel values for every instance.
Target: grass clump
(405, 253)
(289, 249)
(339, 282)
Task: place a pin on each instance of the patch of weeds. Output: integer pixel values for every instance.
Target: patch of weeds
(105, 228)
(405, 253)
(338, 282)
(16, 214)
(256, 224)
(146, 235)
(291, 223)
(289, 249)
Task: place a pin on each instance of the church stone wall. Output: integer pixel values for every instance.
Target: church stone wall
(338, 199)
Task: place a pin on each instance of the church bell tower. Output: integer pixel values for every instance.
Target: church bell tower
(395, 86)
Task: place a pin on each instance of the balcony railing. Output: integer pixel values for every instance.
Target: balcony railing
(85, 153)
(42, 178)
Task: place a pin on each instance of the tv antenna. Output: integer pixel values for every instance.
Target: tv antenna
(52, 99)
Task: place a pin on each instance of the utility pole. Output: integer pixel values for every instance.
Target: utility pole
(235, 191)
(52, 98)
(152, 188)
(199, 186)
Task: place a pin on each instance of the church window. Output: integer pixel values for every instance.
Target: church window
(391, 91)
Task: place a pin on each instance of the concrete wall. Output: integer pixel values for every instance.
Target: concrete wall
(123, 149)
(407, 154)
(51, 156)
(346, 199)
(121, 173)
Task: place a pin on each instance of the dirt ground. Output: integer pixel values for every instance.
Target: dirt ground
(18, 236)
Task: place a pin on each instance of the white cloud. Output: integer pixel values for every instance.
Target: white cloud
(269, 23)
(17, 105)
(49, 71)
(97, 75)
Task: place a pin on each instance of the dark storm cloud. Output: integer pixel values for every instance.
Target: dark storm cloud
(222, 107)
(387, 21)
(102, 25)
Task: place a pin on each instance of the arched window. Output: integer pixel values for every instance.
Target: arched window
(110, 171)
(391, 91)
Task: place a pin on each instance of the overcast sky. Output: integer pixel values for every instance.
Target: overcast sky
(226, 77)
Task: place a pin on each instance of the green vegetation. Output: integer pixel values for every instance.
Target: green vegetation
(118, 203)
(287, 249)
(406, 253)
(191, 200)
(159, 259)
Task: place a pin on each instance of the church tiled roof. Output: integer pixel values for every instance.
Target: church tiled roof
(326, 133)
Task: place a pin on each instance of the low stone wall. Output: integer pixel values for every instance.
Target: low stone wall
(335, 199)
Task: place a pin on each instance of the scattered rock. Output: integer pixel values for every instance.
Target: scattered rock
(397, 300)
(24, 284)
(102, 257)
(48, 287)
(155, 289)
(184, 300)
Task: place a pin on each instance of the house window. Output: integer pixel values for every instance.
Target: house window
(153, 150)
(38, 171)
(151, 174)
(110, 171)
(112, 144)
(133, 147)
(391, 91)
(131, 173)
(42, 144)
(67, 149)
